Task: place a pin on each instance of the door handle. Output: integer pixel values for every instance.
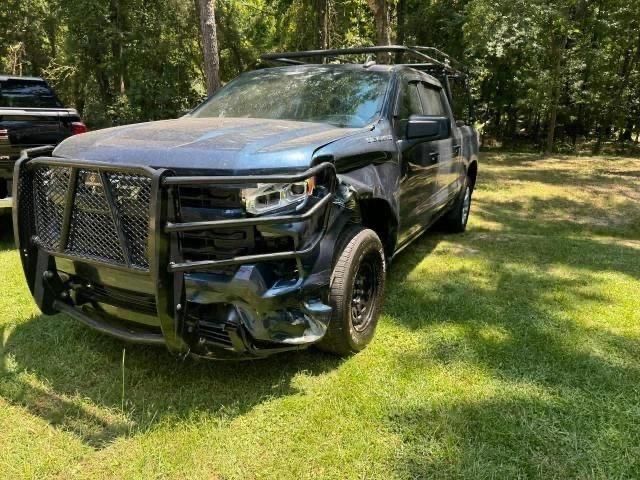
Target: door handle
(456, 150)
(435, 156)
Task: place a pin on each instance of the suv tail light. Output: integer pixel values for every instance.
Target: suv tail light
(78, 127)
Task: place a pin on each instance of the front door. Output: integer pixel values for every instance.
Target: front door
(418, 163)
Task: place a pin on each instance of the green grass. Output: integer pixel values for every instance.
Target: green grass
(510, 351)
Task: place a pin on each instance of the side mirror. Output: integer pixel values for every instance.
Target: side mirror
(460, 123)
(428, 127)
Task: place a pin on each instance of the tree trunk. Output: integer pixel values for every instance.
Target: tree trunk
(78, 94)
(536, 129)
(322, 9)
(401, 28)
(51, 27)
(380, 10)
(117, 41)
(617, 91)
(210, 44)
(628, 68)
(228, 35)
(558, 44)
(102, 79)
(512, 121)
(625, 135)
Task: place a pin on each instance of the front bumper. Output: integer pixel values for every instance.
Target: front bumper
(221, 308)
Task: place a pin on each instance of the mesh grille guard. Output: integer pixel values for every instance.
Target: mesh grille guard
(92, 213)
(124, 216)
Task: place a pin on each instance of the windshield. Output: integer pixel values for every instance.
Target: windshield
(340, 97)
(27, 94)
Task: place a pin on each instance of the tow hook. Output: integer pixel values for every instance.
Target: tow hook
(55, 285)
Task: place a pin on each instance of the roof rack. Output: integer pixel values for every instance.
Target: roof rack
(430, 59)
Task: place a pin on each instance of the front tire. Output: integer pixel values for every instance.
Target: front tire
(356, 292)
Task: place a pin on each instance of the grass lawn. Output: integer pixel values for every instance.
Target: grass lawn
(510, 351)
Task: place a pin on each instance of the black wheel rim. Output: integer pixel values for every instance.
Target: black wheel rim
(365, 291)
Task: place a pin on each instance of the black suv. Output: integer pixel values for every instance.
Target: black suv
(264, 220)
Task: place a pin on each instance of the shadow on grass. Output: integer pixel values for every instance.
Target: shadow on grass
(560, 215)
(600, 178)
(606, 202)
(562, 400)
(569, 399)
(519, 437)
(78, 364)
(513, 159)
(514, 323)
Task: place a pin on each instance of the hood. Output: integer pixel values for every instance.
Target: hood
(227, 145)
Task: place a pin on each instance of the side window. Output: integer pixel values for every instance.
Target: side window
(432, 101)
(409, 104)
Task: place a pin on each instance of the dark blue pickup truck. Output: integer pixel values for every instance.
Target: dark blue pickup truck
(264, 220)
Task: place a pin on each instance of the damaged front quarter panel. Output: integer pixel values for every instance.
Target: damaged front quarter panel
(369, 177)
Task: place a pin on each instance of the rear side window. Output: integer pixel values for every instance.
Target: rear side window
(27, 94)
(432, 101)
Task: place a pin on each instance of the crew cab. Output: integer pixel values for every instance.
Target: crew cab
(261, 222)
(31, 115)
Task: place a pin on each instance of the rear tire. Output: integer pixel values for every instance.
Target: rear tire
(455, 220)
(356, 291)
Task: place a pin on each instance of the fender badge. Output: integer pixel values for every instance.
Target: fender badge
(382, 138)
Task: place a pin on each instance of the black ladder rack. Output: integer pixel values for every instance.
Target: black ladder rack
(430, 59)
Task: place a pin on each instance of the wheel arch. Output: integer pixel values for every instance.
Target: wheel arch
(372, 191)
(472, 173)
(378, 215)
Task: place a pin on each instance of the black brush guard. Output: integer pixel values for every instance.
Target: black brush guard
(166, 267)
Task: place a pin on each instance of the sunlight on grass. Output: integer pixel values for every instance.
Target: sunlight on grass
(512, 350)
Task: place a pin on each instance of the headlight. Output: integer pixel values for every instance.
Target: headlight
(269, 197)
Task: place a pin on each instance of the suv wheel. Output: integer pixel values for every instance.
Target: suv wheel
(455, 220)
(356, 292)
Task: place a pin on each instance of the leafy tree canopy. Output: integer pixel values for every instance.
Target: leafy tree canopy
(571, 67)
